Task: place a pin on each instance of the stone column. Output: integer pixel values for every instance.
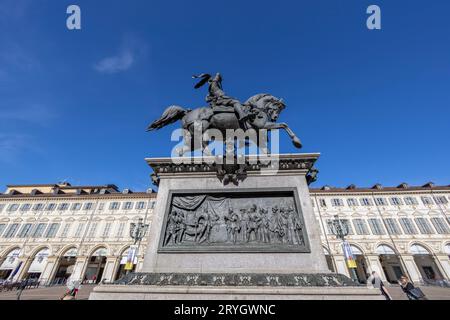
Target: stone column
(49, 270)
(443, 263)
(411, 267)
(108, 272)
(26, 263)
(140, 263)
(79, 268)
(341, 265)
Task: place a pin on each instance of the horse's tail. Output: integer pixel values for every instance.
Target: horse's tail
(171, 115)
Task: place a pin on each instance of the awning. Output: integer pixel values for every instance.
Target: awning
(11, 260)
(39, 262)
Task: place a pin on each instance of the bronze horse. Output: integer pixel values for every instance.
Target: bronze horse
(260, 112)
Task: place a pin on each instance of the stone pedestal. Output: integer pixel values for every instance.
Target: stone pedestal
(244, 231)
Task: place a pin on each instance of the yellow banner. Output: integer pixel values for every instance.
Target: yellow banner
(351, 264)
(129, 266)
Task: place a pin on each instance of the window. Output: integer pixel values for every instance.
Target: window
(12, 207)
(140, 205)
(120, 230)
(427, 200)
(2, 206)
(376, 226)
(352, 202)
(396, 201)
(107, 229)
(38, 207)
(152, 205)
(51, 207)
(330, 228)
(63, 206)
(127, 206)
(440, 225)
(101, 206)
(360, 227)
(441, 200)
(113, 206)
(39, 230)
(52, 230)
(79, 230)
(25, 231)
(92, 230)
(381, 202)
(11, 231)
(411, 201)
(337, 202)
(25, 207)
(392, 226)
(88, 206)
(424, 226)
(348, 225)
(345, 222)
(408, 226)
(366, 202)
(65, 231)
(2, 228)
(312, 203)
(76, 207)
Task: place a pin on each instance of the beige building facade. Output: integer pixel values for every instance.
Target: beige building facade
(53, 232)
(394, 231)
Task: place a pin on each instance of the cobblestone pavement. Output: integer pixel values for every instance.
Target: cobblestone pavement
(432, 293)
(54, 293)
(51, 293)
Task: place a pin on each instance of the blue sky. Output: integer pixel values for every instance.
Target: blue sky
(74, 105)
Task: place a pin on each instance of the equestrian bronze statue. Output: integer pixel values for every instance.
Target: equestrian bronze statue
(260, 112)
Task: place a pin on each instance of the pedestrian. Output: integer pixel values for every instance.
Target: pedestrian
(376, 282)
(412, 292)
(73, 287)
(22, 286)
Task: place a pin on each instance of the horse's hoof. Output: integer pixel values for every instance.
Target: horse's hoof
(296, 141)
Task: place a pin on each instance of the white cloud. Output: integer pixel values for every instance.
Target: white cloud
(131, 50)
(11, 146)
(115, 64)
(34, 113)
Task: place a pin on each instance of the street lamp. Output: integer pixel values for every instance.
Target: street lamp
(341, 230)
(138, 230)
(137, 233)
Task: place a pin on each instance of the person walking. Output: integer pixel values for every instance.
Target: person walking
(412, 292)
(376, 282)
(74, 287)
(22, 286)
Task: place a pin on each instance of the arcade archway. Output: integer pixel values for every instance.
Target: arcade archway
(66, 265)
(425, 263)
(10, 264)
(38, 265)
(361, 264)
(96, 266)
(390, 262)
(121, 272)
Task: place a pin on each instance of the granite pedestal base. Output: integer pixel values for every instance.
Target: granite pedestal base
(252, 235)
(136, 292)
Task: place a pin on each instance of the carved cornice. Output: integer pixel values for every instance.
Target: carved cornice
(238, 280)
(301, 163)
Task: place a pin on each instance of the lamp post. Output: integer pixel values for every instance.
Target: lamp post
(340, 230)
(137, 233)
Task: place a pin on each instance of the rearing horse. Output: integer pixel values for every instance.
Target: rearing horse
(264, 109)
